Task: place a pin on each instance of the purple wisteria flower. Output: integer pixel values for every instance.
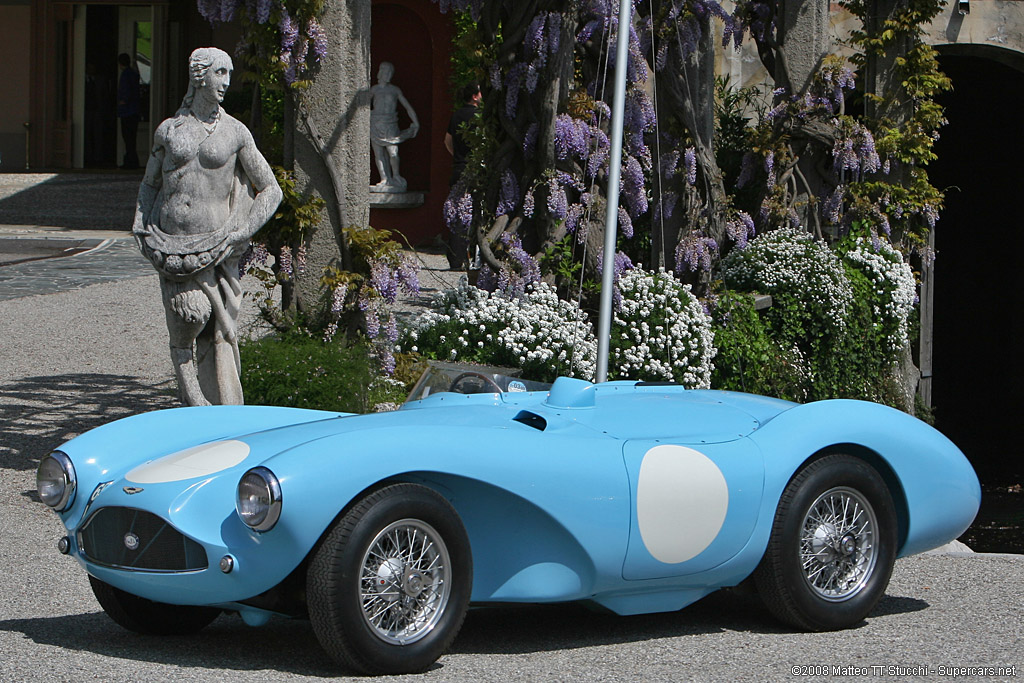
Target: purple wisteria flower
(319, 39)
(338, 298)
(695, 253)
(263, 11)
(289, 30)
(625, 223)
(383, 280)
(740, 229)
(572, 220)
(509, 196)
(408, 274)
(832, 206)
(632, 186)
(665, 207)
(557, 201)
(458, 210)
(286, 260)
(572, 137)
(690, 165)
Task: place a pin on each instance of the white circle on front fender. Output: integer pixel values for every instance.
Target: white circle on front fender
(681, 501)
(198, 461)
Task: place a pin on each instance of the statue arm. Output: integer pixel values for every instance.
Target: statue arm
(152, 180)
(415, 126)
(268, 192)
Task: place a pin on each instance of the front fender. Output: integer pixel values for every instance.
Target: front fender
(109, 451)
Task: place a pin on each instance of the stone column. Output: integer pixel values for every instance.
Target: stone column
(804, 41)
(333, 126)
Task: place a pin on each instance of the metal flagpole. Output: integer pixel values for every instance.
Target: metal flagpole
(611, 219)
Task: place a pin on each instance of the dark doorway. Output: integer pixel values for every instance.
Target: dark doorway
(99, 133)
(977, 390)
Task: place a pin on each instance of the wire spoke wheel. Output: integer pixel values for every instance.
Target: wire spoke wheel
(833, 543)
(389, 585)
(404, 583)
(837, 544)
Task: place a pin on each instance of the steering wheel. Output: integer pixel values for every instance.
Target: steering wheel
(477, 375)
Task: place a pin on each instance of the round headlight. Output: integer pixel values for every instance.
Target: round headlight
(259, 499)
(56, 482)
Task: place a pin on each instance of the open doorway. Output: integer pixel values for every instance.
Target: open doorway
(976, 386)
(102, 33)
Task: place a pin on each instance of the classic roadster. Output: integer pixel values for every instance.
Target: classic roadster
(632, 497)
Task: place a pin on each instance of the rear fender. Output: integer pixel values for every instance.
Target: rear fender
(939, 487)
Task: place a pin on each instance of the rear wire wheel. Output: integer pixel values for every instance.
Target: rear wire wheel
(832, 548)
(389, 586)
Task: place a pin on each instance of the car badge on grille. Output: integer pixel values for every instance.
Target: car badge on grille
(132, 490)
(131, 541)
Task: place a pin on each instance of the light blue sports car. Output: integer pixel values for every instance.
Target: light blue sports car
(383, 529)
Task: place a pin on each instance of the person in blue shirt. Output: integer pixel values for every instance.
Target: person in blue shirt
(128, 109)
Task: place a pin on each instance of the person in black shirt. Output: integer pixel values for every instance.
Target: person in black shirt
(128, 110)
(455, 143)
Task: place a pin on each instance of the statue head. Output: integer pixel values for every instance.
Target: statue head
(385, 72)
(209, 68)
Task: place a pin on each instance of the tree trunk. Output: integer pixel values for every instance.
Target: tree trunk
(332, 139)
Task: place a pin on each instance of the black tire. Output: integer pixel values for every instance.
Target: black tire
(347, 586)
(826, 565)
(150, 618)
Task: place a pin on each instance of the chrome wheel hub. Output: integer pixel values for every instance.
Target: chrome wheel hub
(837, 544)
(405, 582)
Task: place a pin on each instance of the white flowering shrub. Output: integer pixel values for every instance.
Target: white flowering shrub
(848, 318)
(537, 332)
(660, 331)
(893, 292)
(807, 281)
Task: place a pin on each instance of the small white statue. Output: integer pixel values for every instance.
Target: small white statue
(385, 135)
(207, 190)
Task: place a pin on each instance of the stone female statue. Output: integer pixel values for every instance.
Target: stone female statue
(206, 191)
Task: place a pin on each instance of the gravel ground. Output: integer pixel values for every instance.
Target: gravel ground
(75, 359)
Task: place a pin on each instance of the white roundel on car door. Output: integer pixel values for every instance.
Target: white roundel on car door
(682, 498)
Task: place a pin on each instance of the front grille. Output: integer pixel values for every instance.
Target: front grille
(135, 539)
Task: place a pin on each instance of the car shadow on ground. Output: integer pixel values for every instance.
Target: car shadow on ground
(289, 646)
(38, 414)
(533, 628)
(283, 645)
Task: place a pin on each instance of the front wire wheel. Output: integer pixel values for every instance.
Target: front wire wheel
(389, 585)
(832, 547)
(406, 581)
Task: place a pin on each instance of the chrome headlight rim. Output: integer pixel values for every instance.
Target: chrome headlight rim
(69, 481)
(266, 518)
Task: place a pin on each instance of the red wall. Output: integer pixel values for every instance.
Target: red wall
(415, 37)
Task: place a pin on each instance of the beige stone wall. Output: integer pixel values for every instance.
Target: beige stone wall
(992, 28)
(14, 86)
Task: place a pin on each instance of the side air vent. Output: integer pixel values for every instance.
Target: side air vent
(531, 420)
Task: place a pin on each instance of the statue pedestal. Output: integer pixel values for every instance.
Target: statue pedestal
(396, 200)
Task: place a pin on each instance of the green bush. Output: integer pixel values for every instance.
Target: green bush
(749, 359)
(302, 371)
